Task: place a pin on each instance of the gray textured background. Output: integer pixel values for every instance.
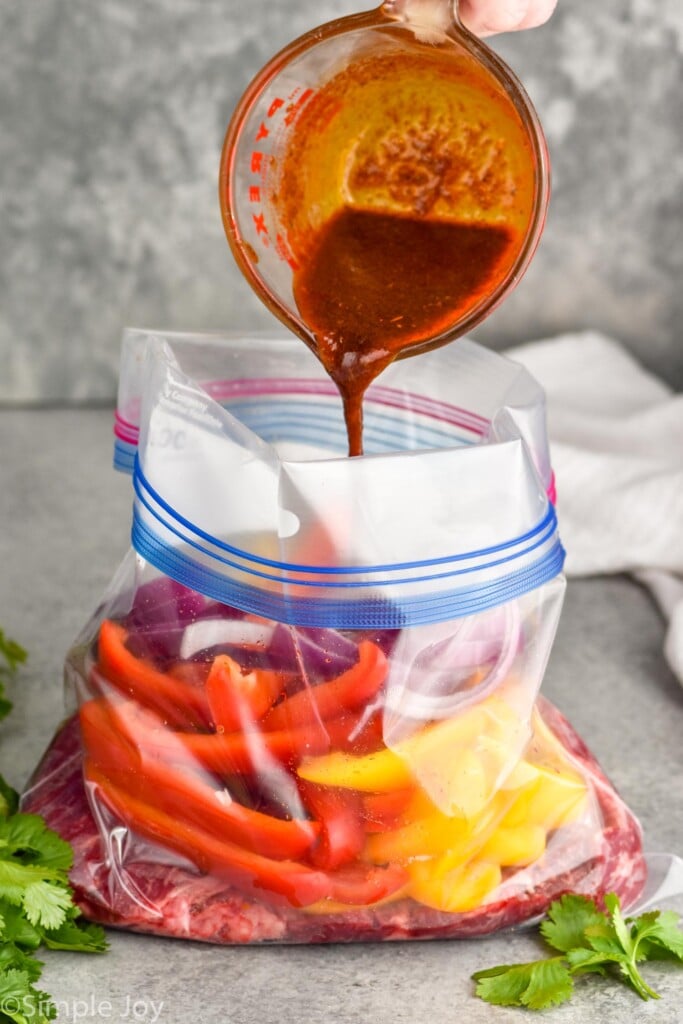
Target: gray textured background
(112, 114)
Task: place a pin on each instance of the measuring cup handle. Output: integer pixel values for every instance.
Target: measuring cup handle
(436, 16)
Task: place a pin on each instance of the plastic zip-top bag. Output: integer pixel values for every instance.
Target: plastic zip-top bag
(308, 707)
(280, 390)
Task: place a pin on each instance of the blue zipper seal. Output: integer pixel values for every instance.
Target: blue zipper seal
(246, 561)
(375, 603)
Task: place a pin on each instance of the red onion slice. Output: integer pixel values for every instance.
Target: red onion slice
(416, 682)
(206, 634)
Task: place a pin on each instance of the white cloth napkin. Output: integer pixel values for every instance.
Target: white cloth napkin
(616, 435)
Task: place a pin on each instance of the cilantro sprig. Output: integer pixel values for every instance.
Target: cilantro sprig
(590, 941)
(36, 900)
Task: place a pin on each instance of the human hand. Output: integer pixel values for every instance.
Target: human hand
(486, 17)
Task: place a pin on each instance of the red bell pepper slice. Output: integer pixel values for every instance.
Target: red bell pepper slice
(361, 737)
(280, 882)
(383, 812)
(178, 703)
(185, 793)
(363, 884)
(250, 752)
(236, 698)
(192, 673)
(349, 691)
(339, 812)
(275, 881)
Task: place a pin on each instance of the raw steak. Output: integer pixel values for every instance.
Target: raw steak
(126, 882)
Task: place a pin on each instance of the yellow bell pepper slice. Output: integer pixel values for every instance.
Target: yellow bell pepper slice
(458, 762)
(455, 890)
(433, 834)
(553, 799)
(550, 791)
(514, 847)
(426, 837)
(379, 772)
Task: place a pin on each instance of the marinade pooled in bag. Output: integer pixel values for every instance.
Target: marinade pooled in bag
(307, 710)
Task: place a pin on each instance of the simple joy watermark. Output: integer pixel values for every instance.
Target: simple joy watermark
(134, 1010)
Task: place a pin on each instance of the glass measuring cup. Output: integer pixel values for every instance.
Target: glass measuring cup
(383, 185)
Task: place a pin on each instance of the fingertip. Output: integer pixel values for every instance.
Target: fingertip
(489, 17)
(486, 17)
(538, 12)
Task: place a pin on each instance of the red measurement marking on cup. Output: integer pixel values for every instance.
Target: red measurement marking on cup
(291, 107)
(294, 107)
(260, 224)
(283, 251)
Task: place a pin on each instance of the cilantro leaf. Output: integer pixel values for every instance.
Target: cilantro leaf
(504, 985)
(46, 904)
(591, 961)
(621, 929)
(16, 929)
(15, 877)
(12, 956)
(549, 985)
(536, 985)
(29, 835)
(33, 869)
(77, 937)
(21, 1002)
(9, 799)
(567, 921)
(658, 930)
(12, 655)
(628, 966)
(5, 705)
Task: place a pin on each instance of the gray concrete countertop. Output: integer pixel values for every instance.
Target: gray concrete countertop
(65, 521)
